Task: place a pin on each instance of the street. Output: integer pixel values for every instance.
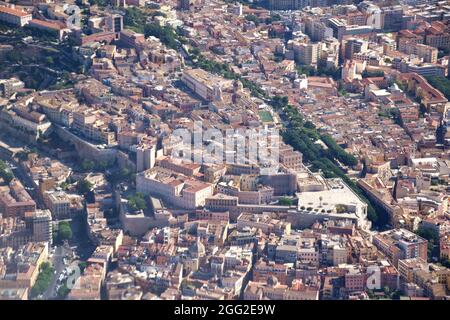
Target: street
(59, 266)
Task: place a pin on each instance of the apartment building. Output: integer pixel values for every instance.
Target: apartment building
(220, 202)
(88, 286)
(438, 35)
(58, 203)
(39, 223)
(15, 200)
(399, 244)
(290, 158)
(263, 270)
(425, 52)
(21, 267)
(92, 126)
(307, 53)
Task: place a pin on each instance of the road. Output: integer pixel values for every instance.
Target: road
(58, 265)
(80, 242)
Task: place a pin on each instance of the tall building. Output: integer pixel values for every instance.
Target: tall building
(145, 157)
(115, 22)
(353, 46)
(39, 223)
(392, 18)
(317, 30)
(307, 53)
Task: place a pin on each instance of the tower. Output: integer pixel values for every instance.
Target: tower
(145, 157)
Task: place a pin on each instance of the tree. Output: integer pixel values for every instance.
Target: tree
(252, 18)
(279, 102)
(440, 83)
(166, 34)
(64, 185)
(82, 265)
(63, 291)
(84, 186)
(308, 70)
(285, 201)
(64, 231)
(137, 202)
(49, 60)
(14, 56)
(396, 295)
(338, 152)
(433, 240)
(43, 280)
(88, 165)
(445, 262)
(5, 172)
(134, 19)
(102, 165)
(371, 74)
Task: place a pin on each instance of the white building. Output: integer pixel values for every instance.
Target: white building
(178, 190)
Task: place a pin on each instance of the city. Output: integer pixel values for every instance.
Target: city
(224, 150)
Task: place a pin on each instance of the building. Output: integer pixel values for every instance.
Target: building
(438, 35)
(290, 158)
(9, 86)
(407, 267)
(206, 85)
(423, 69)
(20, 268)
(307, 53)
(145, 157)
(115, 22)
(88, 286)
(287, 4)
(392, 18)
(58, 203)
(337, 202)
(14, 16)
(399, 244)
(15, 200)
(354, 45)
(27, 125)
(130, 38)
(176, 189)
(50, 26)
(265, 222)
(425, 52)
(39, 223)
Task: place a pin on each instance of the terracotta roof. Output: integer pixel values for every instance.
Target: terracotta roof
(14, 12)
